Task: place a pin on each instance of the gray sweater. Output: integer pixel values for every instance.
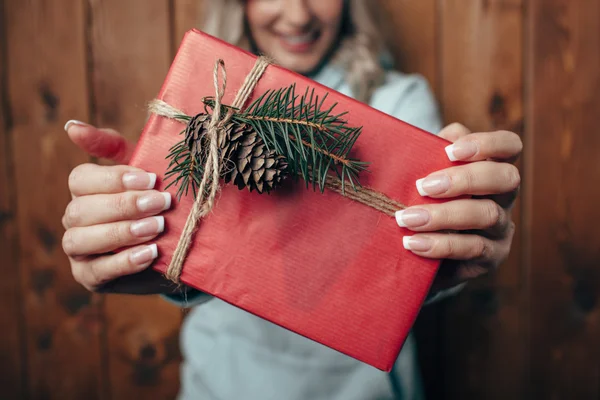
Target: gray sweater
(230, 354)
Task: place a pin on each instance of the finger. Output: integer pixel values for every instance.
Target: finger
(505, 200)
(501, 145)
(88, 179)
(454, 246)
(105, 208)
(478, 178)
(103, 143)
(456, 215)
(454, 132)
(93, 272)
(145, 282)
(98, 239)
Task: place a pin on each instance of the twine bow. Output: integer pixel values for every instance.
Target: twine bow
(204, 203)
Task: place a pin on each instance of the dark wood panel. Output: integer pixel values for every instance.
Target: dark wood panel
(12, 356)
(47, 86)
(562, 197)
(481, 61)
(131, 47)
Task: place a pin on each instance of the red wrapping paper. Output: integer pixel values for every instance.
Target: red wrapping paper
(320, 265)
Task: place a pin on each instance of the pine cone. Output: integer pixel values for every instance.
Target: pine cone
(246, 161)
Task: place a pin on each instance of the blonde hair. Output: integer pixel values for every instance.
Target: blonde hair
(359, 51)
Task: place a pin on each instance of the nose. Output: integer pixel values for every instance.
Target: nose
(297, 12)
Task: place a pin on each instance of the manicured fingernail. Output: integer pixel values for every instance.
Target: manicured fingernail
(412, 217)
(417, 243)
(148, 226)
(74, 122)
(143, 256)
(433, 185)
(139, 180)
(154, 202)
(461, 150)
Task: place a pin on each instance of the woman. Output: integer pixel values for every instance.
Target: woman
(230, 354)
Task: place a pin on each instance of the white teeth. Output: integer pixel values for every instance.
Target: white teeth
(299, 39)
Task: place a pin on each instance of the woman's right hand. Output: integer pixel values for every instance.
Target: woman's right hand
(112, 207)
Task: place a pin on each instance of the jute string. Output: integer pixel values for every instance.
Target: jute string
(204, 203)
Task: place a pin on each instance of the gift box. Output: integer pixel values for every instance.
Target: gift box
(314, 262)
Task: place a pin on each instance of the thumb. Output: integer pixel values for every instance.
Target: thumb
(454, 131)
(102, 143)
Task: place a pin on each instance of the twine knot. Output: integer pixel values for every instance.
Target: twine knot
(209, 185)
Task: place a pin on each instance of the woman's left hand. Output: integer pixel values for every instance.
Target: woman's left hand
(481, 228)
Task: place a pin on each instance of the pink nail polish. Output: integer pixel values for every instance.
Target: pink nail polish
(461, 150)
(412, 218)
(143, 256)
(154, 202)
(417, 243)
(148, 226)
(433, 185)
(139, 180)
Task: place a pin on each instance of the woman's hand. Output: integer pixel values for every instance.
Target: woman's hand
(481, 229)
(112, 207)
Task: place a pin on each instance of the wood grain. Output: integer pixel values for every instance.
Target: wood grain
(562, 206)
(12, 355)
(531, 330)
(131, 47)
(481, 61)
(186, 15)
(47, 86)
(411, 29)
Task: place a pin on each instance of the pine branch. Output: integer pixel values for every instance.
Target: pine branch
(184, 168)
(313, 141)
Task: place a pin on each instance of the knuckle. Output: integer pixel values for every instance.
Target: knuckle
(449, 246)
(94, 279)
(494, 215)
(481, 249)
(441, 216)
(515, 139)
(73, 213)
(77, 273)
(123, 205)
(68, 242)
(518, 143)
(75, 176)
(470, 179)
(512, 227)
(513, 177)
(116, 234)
(111, 177)
(458, 127)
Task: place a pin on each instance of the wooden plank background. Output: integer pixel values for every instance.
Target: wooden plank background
(530, 330)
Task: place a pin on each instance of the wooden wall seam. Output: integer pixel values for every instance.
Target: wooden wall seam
(526, 177)
(173, 28)
(11, 242)
(105, 383)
